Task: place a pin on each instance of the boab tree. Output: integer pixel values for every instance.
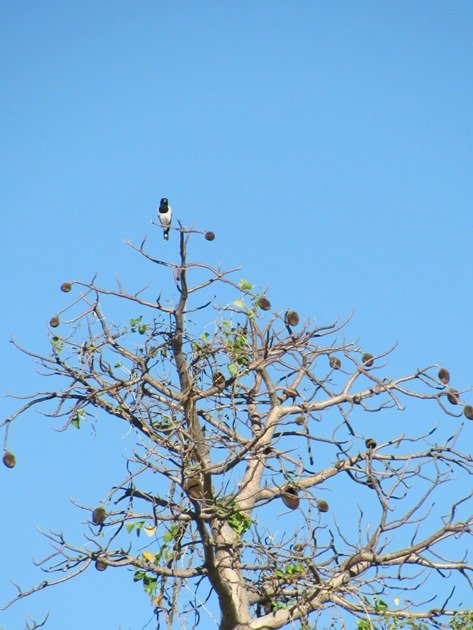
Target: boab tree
(249, 433)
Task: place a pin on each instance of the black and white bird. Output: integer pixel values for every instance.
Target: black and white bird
(165, 216)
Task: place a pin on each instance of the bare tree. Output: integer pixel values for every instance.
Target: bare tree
(234, 423)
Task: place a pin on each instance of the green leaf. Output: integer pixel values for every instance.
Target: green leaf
(139, 526)
(245, 285)
(172, 534)
(149, 584)
(139, 575)
(239, 303)
(57, 345)
(77, 418)
(239, 342)
(233, 369)
(135, 322)
(294, 569)
(239, 522)
(380, 605)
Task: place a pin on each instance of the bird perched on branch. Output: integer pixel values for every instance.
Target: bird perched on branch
(165, 216)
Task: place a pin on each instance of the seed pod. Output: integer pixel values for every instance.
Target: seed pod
(370, 443)
(100, 566)
(298, 547)
(218, 380)
(290, 498)
(66, 287)
(468, 412)
(322, 505)
(370, 483)
(264, 303)
(444, 376)
(98, 515)
(193, 487)
(209, 236)
(54, 321)
(300, 420)
(356, 399)
(288, 392)
(291, 318)
(453, 397)
(9, 459)
(335, 362)
(367, 359)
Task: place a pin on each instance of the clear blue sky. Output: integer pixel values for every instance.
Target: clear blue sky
(328, 144)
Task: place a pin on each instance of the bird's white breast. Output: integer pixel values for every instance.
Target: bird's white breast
(165, 217)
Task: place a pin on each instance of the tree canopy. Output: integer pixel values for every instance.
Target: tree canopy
(252, 483)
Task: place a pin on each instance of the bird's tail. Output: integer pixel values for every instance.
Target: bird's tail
(166, 234)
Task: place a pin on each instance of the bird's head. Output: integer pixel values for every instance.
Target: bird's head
(164, 201)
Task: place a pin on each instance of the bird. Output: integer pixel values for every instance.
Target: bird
(165, 215)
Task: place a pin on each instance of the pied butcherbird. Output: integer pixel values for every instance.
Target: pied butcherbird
(165, 216)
